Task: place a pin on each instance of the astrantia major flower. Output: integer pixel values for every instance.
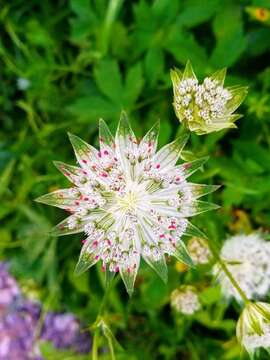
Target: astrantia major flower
(253, 327)
(205, 107)
(198, 250)
(248, 259)
(130, 200)
(185, 300)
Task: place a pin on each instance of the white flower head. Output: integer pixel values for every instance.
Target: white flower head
(253, 327)
(248, 259)
(185, 300)
(130, 200)
(198, 250)
(205, 107)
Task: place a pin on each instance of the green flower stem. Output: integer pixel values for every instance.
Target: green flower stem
(98, 323)
(111, 348)
(111, 14)
(95, 345)
(215, 252)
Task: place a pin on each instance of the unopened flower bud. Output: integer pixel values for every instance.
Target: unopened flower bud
(253, 327)
(205, 107)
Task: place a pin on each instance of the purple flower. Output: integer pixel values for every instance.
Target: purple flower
(9, 290)
(64, 332)
(17, 336)
(19, 324)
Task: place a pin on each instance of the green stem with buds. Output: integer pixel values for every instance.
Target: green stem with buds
(224, 267)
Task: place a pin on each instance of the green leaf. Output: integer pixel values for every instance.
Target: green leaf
(231, 41)
(84, 21)
(80, 283)
(90, 108)
(133, 85)
(37, 34)
(6, 176)
(51, 353)
(183, 46)
(109, 80)
(154, 65)
(257, 41)
(196, 12)
(210, 295)
(154, 295)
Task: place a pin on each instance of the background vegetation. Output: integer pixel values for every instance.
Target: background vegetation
(64, 64)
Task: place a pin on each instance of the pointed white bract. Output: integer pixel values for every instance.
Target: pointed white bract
(130, 200)
(248, 259)
(208, 106)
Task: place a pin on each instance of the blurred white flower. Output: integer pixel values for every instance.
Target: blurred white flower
(248, 259)
(23, 84)
(253, 326)
(205, 107)
(185, 300)
(198, 250)
(131, 201)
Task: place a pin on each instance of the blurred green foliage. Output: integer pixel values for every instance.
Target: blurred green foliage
(64, 64)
